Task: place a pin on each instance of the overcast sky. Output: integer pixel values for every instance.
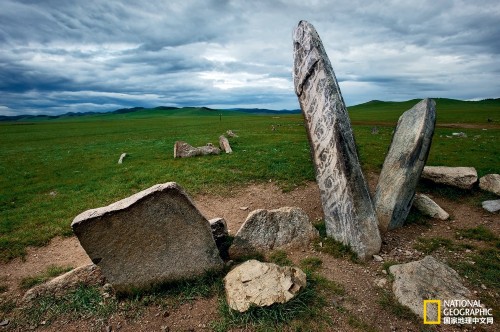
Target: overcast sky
(77, 56)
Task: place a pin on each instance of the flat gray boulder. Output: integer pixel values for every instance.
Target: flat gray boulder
(265, 230)
(426, 279)
(154, 236)
(429, 208)
(349, 213)
(262, 284)
(460, 177)
(492, 206)
(491, 183)
(403, 164)
(184, 150)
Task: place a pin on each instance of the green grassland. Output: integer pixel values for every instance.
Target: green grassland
(51, 170)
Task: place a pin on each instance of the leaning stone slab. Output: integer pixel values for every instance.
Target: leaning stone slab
(265, 230)
(429, 208)
(492, 206)
(89, 275)
(122, 156)
(184, 150)
(460, 177)
(154, 236)
(262, 284)
(224, 144)
(426, 279)
(404, 163)
(349, 213)
(491, 183)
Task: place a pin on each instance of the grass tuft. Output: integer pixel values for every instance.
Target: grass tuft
(280, 258)
(311, 264)
(389, 303)
(333, 247)
(429, 245)
(479, 233)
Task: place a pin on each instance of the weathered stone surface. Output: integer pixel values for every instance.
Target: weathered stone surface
(491, 183)
(265, 230)
(154, 236)
(429, 208)
(220, 234)
(403, 164)
(88, 275)
(262, 284)
(460, 177)
(230, 133)
(349, 213)
(492, 206)
(423, 280)
(184, 150)
(122, 156)
(224, 144)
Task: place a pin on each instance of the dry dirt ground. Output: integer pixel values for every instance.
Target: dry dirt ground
(361, 298)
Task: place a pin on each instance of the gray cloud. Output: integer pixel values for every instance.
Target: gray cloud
(58, 56)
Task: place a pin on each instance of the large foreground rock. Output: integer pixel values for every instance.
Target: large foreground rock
(262, 284)
(349, 213)
(184, 150)
(491, 183)
(425, 280)
(492, 206)
(460, 177)
(89, 275)
(154, 236)
(265, 230)
(429, 208)
(404, 163)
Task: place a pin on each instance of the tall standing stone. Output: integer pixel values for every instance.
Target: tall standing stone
(404, 163)
(349, 212)
(154, 236)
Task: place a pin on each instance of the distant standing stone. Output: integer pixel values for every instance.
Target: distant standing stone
(429, 208)
(154, 236)
(230, 133)
(224, 144)
(404, 163)
(460, 177)
(492, 206)
(265, 230)
(349, 213)
(491, 183)
(184, 150)
(123, 155)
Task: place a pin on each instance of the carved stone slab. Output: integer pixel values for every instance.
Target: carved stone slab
(349, 212)
(404, 163)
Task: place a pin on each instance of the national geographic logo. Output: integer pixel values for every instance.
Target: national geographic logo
(456, 312)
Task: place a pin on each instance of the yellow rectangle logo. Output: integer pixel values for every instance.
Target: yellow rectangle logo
(432, 322)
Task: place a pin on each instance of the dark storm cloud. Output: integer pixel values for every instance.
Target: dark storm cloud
(58, 56)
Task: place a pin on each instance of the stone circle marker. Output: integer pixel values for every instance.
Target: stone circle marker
(154, 236)
(349, 213)
(403, 164)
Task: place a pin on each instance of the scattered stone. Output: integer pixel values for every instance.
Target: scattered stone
(375, 130)
(262, 284)
(426, 279)
(491, 183)
(265, 230)
(492, 206)
(378, 258)
(184, 150)
(109, 328)
(88, 275)
(381, 282)
(460, 177)
(404, 163)
(349, 214)
(429, 208)
(460, 134)
(243, 208)
(231, 134)
(154, 236)
(224, 144)
(122, 156)
(4, 322)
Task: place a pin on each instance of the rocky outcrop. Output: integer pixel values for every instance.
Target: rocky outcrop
(349, 213)
(184, 150)
(224, 144)
(492, 206)
(262, 284)
(426, 279)
(87, 275)
(460, 177)
(429, 208)
(403, 164)
(265, 230)
(491, 183)
(154, 236)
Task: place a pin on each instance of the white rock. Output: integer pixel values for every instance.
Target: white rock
(491, 183)
(492, 206)
(460, 177)
(224, 144)
(378, 258)
(123, 155)
(429, 208)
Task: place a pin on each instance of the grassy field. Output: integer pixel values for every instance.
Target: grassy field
(52, 170)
